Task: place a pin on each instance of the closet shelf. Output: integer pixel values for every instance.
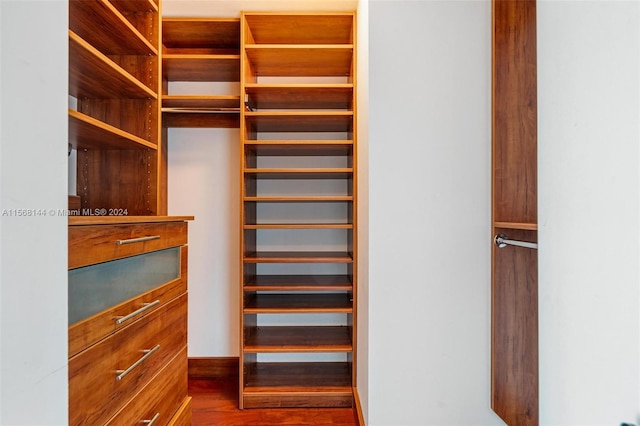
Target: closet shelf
(299, 121)
(201, 102)
(298, 283)
(330, 28)
(300, 199)
(291, 173)
(212, 35)
(297, 257)
(299, 226)
(94, 75)
(295, 60)
(128, 6)
(307, 377)
(297, 303)
(103, 26)
(516, 225)
(300, 96)
(87, 132)
(311, 148)
(201, 67)
(298, 339)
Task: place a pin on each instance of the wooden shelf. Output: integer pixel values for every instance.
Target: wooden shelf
(308, 148)
(299, 377)
(201, 119)
(133, 6)
(298, 283)
(206, 35)
(304, 384)
(298, 339)
(94, 75)
(300, 60)
(298, 303)
(103, 26)
(201, 102)
(325, 173)
(298, 257)
(299, 199)
(300, 28)
(299, 121)
(201, 67)
(299, 226)
(87, 132)
(300, 96)
(516, 225)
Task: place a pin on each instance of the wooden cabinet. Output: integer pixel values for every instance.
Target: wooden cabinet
(128, 324)
(514, 170)
(114, 114)
(201, 50)
(299, 201)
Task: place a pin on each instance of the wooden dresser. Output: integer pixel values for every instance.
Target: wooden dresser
(128, 320)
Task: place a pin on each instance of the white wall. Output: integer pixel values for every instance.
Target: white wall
(204, 172)
(588, 71)
(33, 177)
(362, 104)
(429, 194)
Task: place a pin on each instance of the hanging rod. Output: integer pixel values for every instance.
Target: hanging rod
(502, 241)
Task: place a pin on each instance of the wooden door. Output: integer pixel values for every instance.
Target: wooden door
(514, 349)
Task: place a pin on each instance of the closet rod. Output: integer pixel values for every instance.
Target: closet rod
(502, 241)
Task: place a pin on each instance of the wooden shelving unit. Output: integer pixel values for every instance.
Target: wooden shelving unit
(114, 121)
(201, 50)
(514, 349)
(298, 180)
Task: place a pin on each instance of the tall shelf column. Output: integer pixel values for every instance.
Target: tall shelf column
(298, 207)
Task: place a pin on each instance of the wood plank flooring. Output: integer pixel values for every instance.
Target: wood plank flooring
(215, 403)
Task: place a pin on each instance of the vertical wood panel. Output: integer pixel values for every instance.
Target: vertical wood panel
(514, 111)
(514, 372)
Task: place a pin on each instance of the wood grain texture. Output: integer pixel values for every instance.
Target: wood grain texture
(89, 245)
(298, 339)
(300, 60)
(215, 402)
(514, 373)
(93, 389)
(300, 96)
(162, 396)
(300, 28)
(202, 33)
(514, 111)
(213, 367)
(103, 26)
(294, 303)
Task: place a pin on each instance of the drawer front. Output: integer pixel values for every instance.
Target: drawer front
(91, 244)
(87, 332)
(105, 376)
(159, 400)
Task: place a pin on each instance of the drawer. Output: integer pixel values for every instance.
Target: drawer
(105, 376)
(160, 399)
(84, 333)
(91, 244)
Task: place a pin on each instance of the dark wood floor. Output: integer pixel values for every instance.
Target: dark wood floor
(215, 402)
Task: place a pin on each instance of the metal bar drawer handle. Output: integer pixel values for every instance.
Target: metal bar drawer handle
(145, 306)
(138, 240)
(152, 421)
(147, 353)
